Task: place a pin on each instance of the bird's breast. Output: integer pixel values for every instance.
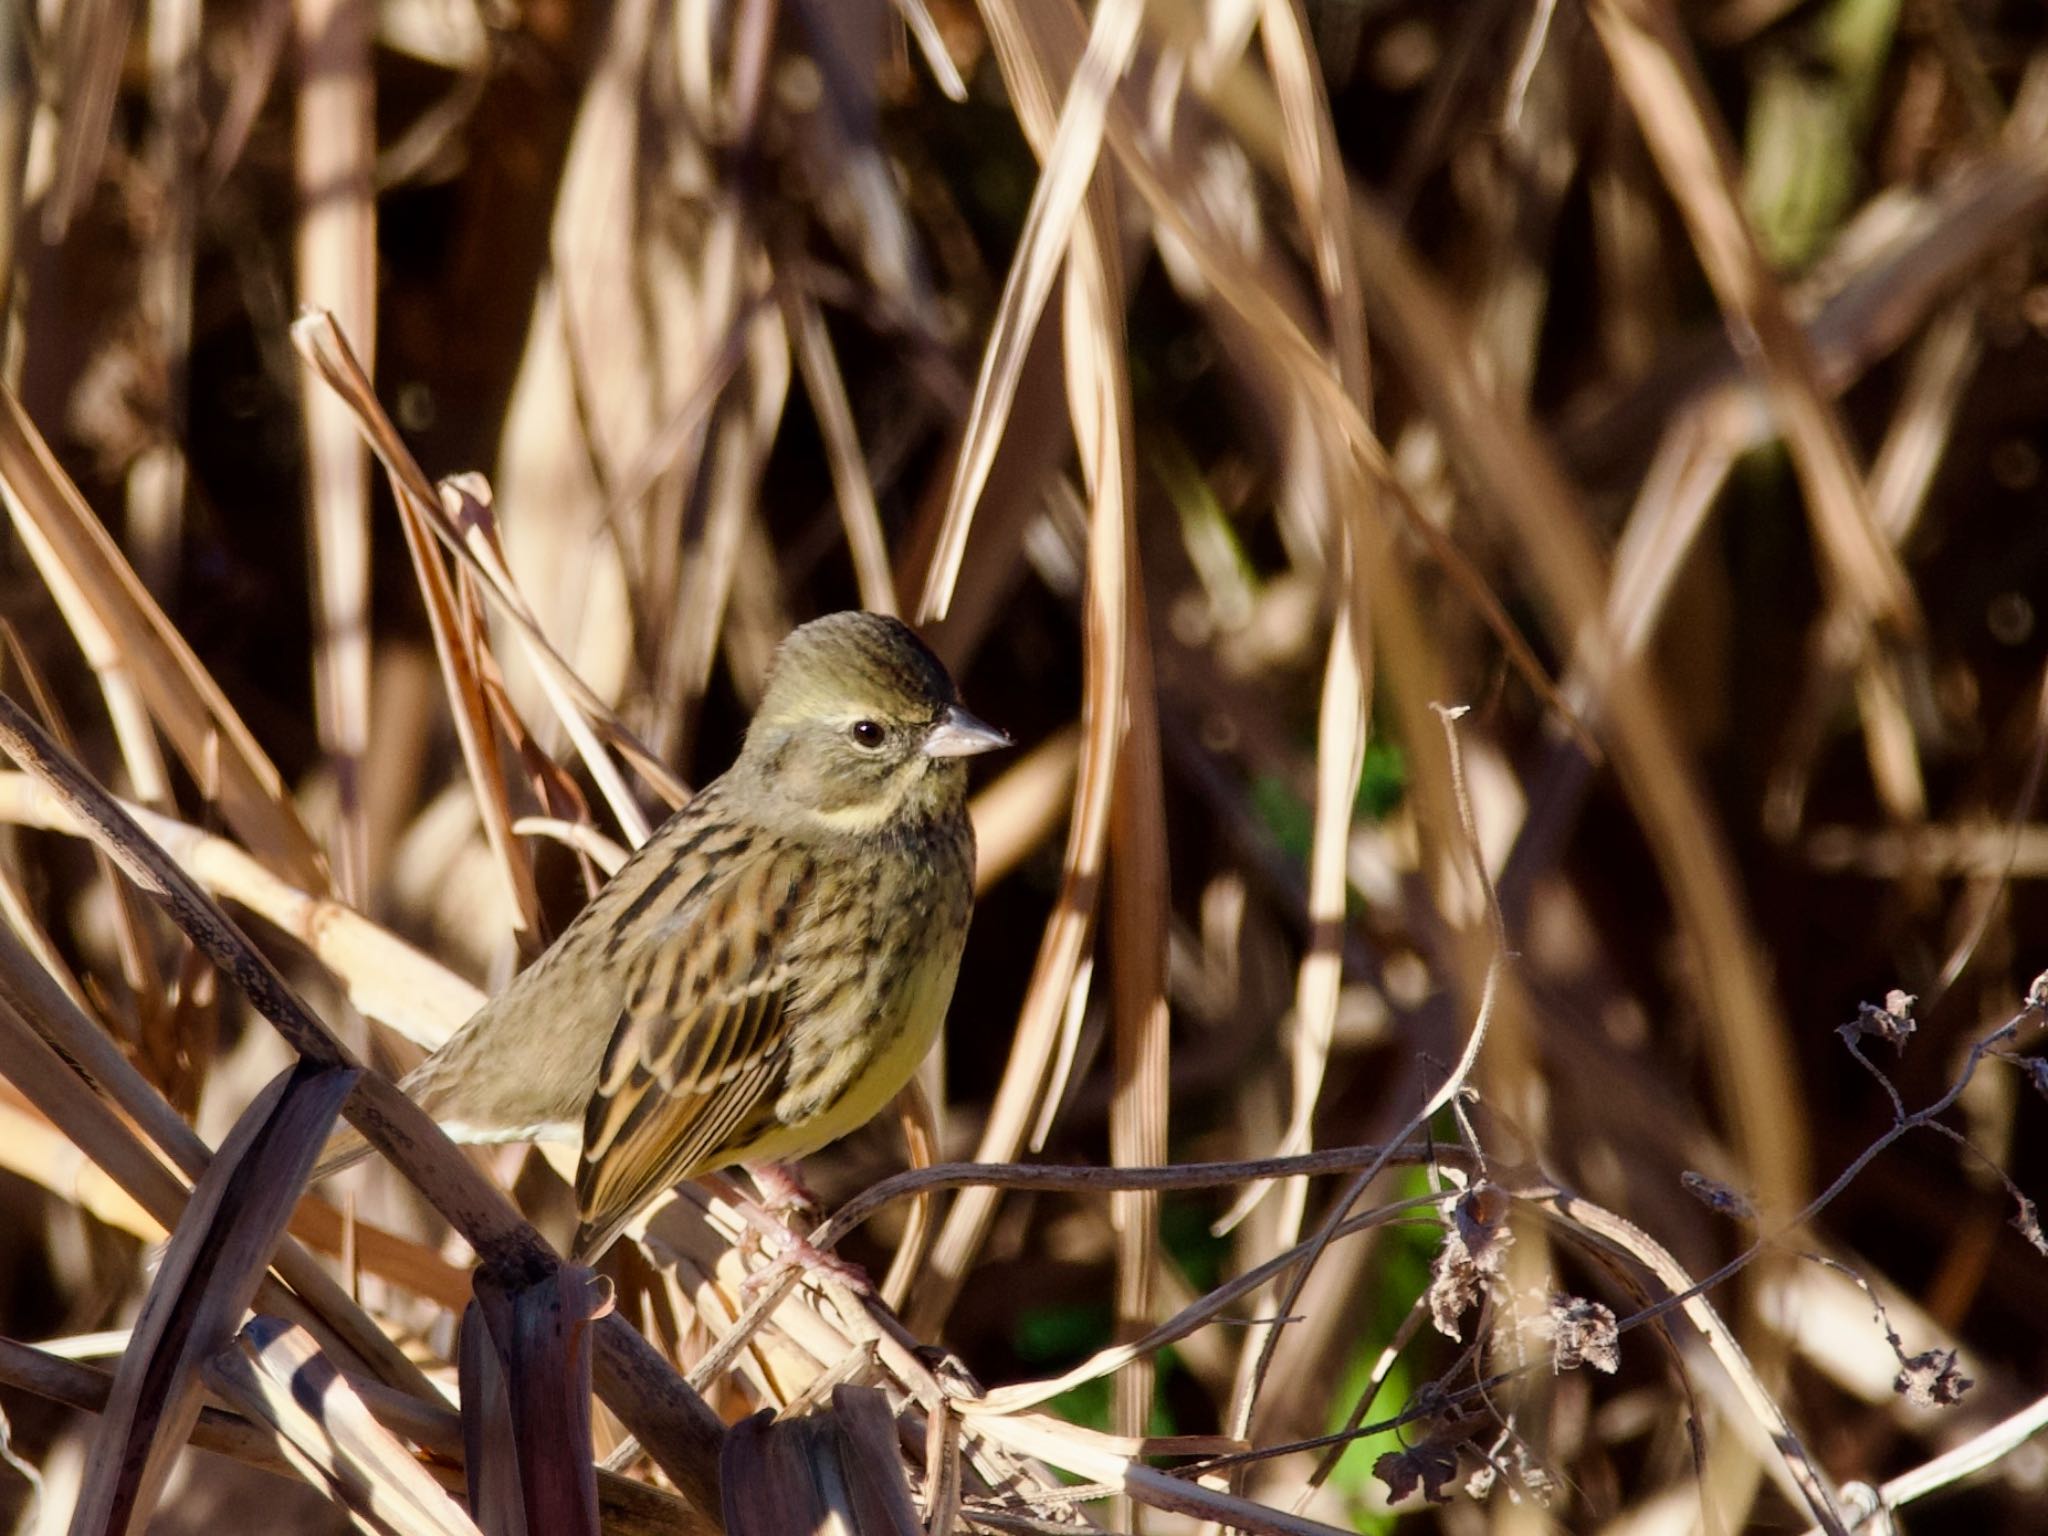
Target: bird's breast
(885, 970)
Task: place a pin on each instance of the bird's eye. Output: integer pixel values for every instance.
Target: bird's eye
(867, 733)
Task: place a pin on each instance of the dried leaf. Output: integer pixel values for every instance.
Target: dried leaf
(1475, 1251)
(1893, 1022)
(1931, 1380)
(1429, 1466)
(1581, 1332)
(209, 1274)
(276, 1374)
(540, 1329)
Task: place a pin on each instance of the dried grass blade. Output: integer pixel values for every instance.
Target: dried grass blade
(209, 1276)
(156, 481)
(540, 1329)
(181, 696)
(336, 247)
(740, 439)
(819, 366)
(1865, 577)
(385, 977)
(1340, 764)
(1692, 462)
(139, 966)
(1322, 201)
(1116, 1461)
(1514, 472)
(20, 918)
(931, 42)
(322, 344)
(127, 711)
(1657, 74)
(1246, 105)
(1099, 393)
(86, 1389)
(942, 1470)
(35, 1150)
(372, 1250)
(1099, 402)
(465, 501)
(921, 1139)
(1022, 807)
(1050, 994)
(92, 44)
(874, 1463)
(17, 113)
(277, 1376)
(1067, 161)
(41, 1024)
(470, 717)
(1942, 364)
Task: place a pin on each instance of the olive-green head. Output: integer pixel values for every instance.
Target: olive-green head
(861, 723)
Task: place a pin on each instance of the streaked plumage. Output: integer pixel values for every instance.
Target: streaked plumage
(766, 972)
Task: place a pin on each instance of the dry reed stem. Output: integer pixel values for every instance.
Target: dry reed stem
(91, 44)
(1067, 146)
(1068, 151)
(336, 270)
(384, 977)
(850, 484)
(48, 1035)
(208, 1277)
(1655, 70)
(87, 1389)
(75, 553)
(139, 968)
(322, 344)
(276, 1376)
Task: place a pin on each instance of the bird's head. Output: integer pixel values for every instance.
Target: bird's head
(860, 725)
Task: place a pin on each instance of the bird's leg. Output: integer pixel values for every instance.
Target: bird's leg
(799, 1254)
(784, 1192)
(787, 1209)
(785, 1200)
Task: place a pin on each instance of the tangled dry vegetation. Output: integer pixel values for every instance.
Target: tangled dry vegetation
(1509, 537)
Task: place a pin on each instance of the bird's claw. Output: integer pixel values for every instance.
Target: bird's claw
(812, 1263)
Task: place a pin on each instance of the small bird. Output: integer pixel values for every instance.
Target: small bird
(767, 971)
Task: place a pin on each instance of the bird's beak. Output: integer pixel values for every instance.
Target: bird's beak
(959, 734)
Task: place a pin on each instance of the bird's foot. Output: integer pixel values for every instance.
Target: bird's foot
(787, 1209)
(784, 1194)
(812, 1263)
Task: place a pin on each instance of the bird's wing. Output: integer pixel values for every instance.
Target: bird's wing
(700, 1048)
